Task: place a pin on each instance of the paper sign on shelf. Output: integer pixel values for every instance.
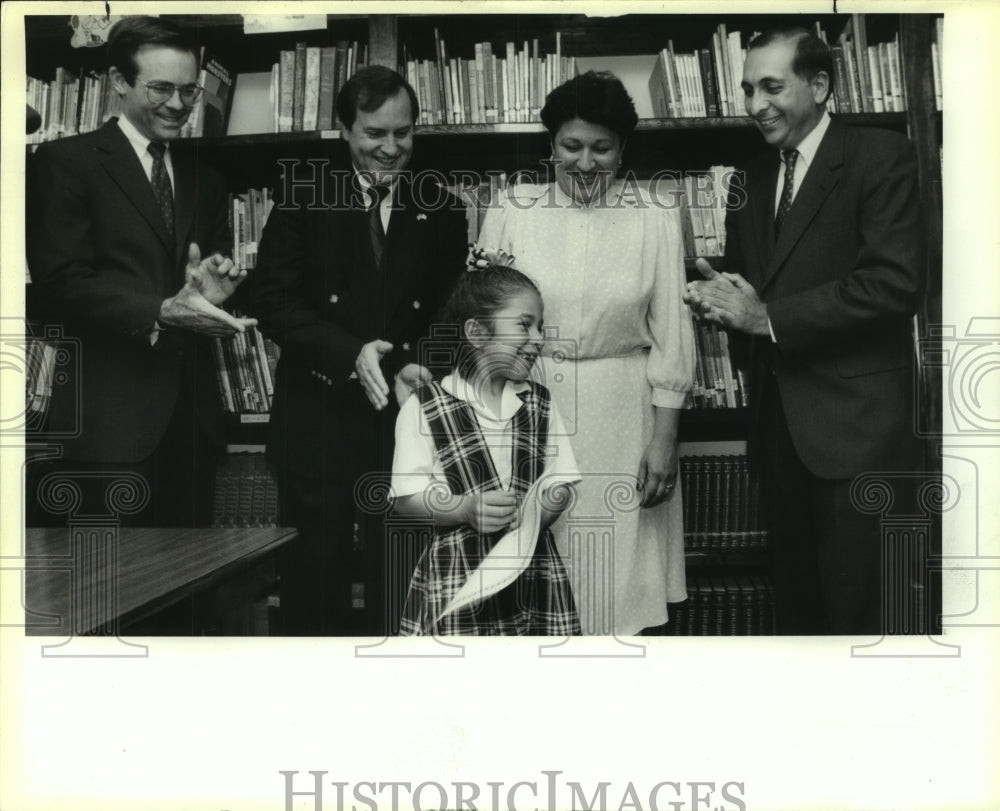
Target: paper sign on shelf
(273, 23)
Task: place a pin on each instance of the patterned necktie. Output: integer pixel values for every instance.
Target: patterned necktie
(375, 223)
(162, 189)
(789, 157)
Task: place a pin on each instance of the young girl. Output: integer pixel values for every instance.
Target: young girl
(468, 450)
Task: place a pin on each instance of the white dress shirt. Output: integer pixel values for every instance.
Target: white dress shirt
(386, 206)
(807, 154)
(140, 143)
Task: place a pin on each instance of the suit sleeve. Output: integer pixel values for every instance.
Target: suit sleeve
(62, 257)
(278, 293)
(739, 342)
(447, 264)
(889, 275)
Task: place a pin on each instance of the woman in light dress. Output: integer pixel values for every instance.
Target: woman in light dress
(619, 352)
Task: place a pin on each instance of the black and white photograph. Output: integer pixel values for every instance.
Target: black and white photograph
(656, 335)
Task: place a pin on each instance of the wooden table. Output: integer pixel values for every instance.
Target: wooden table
(97, 579)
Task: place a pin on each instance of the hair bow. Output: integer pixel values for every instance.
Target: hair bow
(480, 258)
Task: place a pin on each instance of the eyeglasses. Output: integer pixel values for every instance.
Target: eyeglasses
(162, 92)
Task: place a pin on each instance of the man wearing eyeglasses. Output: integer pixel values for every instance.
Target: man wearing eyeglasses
(126, 245)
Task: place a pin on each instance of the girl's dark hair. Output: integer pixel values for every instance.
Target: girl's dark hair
(595, 97)
(129, 34)
(480, 294)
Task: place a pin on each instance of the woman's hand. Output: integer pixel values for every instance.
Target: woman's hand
(657, 472)
(658, 466)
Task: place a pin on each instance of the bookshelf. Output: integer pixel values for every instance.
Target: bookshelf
(628, 45)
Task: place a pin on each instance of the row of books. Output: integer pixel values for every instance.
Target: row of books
(488, 88)
(724, 605)
(722, 504)
(705, 83)
(305, 83)
(869, 78)
(245, 364)
(69, 105)
(248, 212)
(718, 383)
(246, 492)
(703, 198)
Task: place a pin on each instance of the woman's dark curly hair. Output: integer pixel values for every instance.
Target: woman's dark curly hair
(595, 97)
(479, 294)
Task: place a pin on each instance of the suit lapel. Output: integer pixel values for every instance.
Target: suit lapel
(124, 168)
(761, 199)
(402, 280)
(184, 202)
(819, 181)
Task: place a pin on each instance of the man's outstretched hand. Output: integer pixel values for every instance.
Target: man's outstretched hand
(215, 276)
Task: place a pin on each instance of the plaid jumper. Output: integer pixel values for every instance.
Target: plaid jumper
(540, 601)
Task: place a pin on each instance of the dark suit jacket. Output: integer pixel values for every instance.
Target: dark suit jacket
(101, 263)
(318, 295)
(841, 284)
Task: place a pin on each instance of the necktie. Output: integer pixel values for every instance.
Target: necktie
(789, 156)
(162, 189)
(375, 223)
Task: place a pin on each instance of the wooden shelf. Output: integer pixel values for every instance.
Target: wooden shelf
(713, 416)
(741, 558)
(525, 128)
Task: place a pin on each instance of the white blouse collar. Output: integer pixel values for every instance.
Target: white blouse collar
(510, 403)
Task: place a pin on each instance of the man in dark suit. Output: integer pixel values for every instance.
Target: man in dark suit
(350, 270)
(117, 223)
(825, 269)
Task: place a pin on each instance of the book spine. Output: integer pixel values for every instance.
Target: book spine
(299, 87)
(465, 80)
(286, 90)
(875, 80)
(710, 91)
(861, 61)
(340, 60)
(854, 77)
(489, 76)
(841, 86)
(726, 534)
(480, 84)
(324, 107)
(736, 71)
(888, 100)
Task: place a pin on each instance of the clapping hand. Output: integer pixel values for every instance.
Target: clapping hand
(207, 283)
(726, 299)
(215, 277)
(190, 310)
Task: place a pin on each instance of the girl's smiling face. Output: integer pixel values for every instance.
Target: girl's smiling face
(509, 341)
(586, 158)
